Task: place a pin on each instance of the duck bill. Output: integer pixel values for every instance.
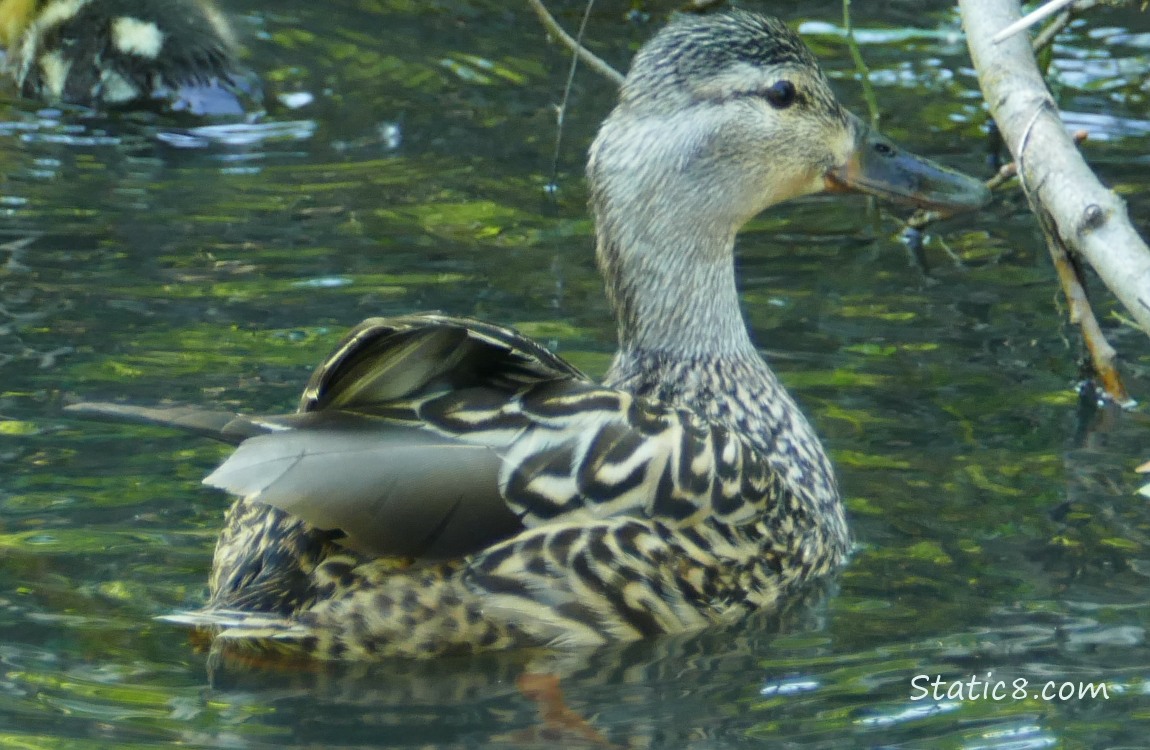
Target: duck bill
(878, 167)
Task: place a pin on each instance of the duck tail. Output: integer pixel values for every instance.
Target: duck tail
(236, 625)
(225, 426)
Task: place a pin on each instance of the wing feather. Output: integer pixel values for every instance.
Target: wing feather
(392, 489)
(225, 426)
(432, 436)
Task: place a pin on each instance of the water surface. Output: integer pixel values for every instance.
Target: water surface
(996, 521)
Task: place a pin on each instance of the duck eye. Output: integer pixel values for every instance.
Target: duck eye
(781, 94)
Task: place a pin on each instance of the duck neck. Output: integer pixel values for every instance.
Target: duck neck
(683, 341)
(671, 285)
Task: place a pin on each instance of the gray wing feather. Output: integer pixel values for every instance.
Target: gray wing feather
(226, 426)
(396, 490)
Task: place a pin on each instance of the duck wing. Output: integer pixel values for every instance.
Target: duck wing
(392, 488)
(386, 359)
(362, 456)
(427, 435)
(433, 436)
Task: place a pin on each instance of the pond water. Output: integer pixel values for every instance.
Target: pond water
(997, 525)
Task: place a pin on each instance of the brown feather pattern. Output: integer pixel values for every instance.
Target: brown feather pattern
(640, 516)
(179, 55)
(686, 489)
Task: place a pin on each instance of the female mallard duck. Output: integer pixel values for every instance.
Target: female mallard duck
(176, 54)
(449, 486)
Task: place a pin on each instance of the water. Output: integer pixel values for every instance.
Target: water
(997, 526)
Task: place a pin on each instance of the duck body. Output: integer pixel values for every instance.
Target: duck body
(450, 486)
(173, 55)
(567, 513)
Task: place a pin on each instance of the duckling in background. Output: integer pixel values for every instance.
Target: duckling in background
(175, 55)
(449, 486)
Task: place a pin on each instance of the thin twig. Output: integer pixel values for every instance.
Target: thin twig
(861, 66)
(593, 61)
(562, 111)
(1103, 357)
(1069, 10)
(1043, 104)
(1046, 36)
(923, 218)
(1030, 19)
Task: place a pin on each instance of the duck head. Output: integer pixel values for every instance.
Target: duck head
(724, 115)
(720, 117)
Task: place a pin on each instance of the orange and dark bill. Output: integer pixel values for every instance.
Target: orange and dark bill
(879, 167)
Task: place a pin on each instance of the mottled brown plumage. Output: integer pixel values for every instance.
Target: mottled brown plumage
(174, 55)
(449, 486)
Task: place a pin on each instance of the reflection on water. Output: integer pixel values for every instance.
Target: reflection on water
(996, 526)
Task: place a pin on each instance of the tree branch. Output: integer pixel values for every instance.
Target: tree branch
(587, 56)
(1075, 210)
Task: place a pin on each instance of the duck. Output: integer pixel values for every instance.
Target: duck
(178, 56)
(448, 486)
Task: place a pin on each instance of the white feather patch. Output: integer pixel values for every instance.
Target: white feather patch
(135, 37)
(117, 88)
(59, 12)
(55, 70)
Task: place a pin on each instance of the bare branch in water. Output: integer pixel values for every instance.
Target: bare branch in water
(1079, 215)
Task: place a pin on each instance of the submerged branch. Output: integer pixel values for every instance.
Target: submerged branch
(1103, 357)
